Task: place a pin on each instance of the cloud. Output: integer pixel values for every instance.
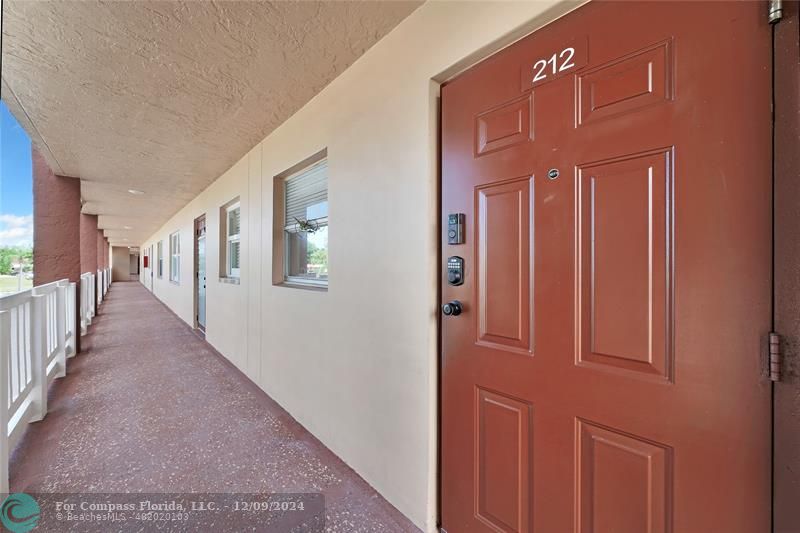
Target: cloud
(16, 230)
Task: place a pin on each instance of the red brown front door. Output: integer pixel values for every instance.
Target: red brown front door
(605, 371)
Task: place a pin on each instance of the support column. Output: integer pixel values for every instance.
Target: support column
(56, 223)
(100, 264)
(107, 260)
(88, 243)
(100, 249)
(89, 249)
(56, 229)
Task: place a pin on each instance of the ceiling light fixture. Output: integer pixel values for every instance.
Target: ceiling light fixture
(126, 227)
(135, 191)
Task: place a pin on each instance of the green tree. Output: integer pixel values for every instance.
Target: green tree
(319, 257)
(5, 264)
(20, 255)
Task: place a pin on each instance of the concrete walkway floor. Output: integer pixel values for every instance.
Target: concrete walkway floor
(149, 407)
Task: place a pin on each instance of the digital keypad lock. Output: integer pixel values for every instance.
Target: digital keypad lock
(455, 228)
(455, 270)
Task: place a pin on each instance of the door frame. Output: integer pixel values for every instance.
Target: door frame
(198, 227)
(785, 252)
(151, 269)
(786, 268)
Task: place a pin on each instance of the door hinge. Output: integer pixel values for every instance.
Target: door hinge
(774, 11)
(774, 357)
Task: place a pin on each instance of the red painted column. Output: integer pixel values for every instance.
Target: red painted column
(89, 248)
(88, 243)
(56, 223)
(56, 230)
(100, 249)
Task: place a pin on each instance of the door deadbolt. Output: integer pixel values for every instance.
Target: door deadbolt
(455, 270)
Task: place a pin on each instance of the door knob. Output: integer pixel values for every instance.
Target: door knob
(452, 308)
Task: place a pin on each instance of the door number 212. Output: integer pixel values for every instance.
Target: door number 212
(558, 62)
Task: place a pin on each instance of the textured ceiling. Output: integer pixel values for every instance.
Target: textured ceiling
(164, 97)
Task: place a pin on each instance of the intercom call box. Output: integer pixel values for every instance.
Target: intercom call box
(455, 228)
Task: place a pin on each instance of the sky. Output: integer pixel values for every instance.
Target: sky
(16, 182)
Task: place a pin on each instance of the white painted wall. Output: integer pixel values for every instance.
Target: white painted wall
(364, 378)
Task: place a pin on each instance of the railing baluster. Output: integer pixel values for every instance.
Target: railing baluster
(5, 356)
(71, 344)
(84, 304)
(38, 357)
(27, 335)
(61, 327)
(93, 298)
(15, 348)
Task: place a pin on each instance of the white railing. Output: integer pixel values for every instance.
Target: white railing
(37, 334)
(88, 300)
(70, 334)
(99, 287)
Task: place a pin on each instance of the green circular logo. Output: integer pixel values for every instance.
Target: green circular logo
(19, 513)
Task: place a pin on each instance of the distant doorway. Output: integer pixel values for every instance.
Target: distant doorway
(200, 272)
(133, 269)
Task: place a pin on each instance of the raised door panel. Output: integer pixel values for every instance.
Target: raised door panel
(504, 268)
(504, 126)
(626, 84)
(503, 461)
(625, 265)
(624, 483)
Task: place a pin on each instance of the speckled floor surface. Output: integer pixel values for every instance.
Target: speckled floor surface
(150, 407)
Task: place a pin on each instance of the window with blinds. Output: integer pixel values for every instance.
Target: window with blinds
(160, 259)
(306, 197)
(175, 257)
(305, 222)
(233, 240)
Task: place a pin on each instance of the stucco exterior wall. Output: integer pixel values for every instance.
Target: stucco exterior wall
(88, 243)
(101, 250)
(356, 365)
(56, 217)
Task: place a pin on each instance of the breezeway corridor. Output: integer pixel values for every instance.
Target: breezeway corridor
(148, 406)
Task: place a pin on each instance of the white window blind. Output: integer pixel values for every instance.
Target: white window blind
(160, 258)
(307, 196)
(233, 240)
(306, 226)
(175, 257)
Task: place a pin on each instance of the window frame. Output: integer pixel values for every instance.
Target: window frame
(175, 257)
(230, 239)
(160, 259)
(226, 273)
(280, 242)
